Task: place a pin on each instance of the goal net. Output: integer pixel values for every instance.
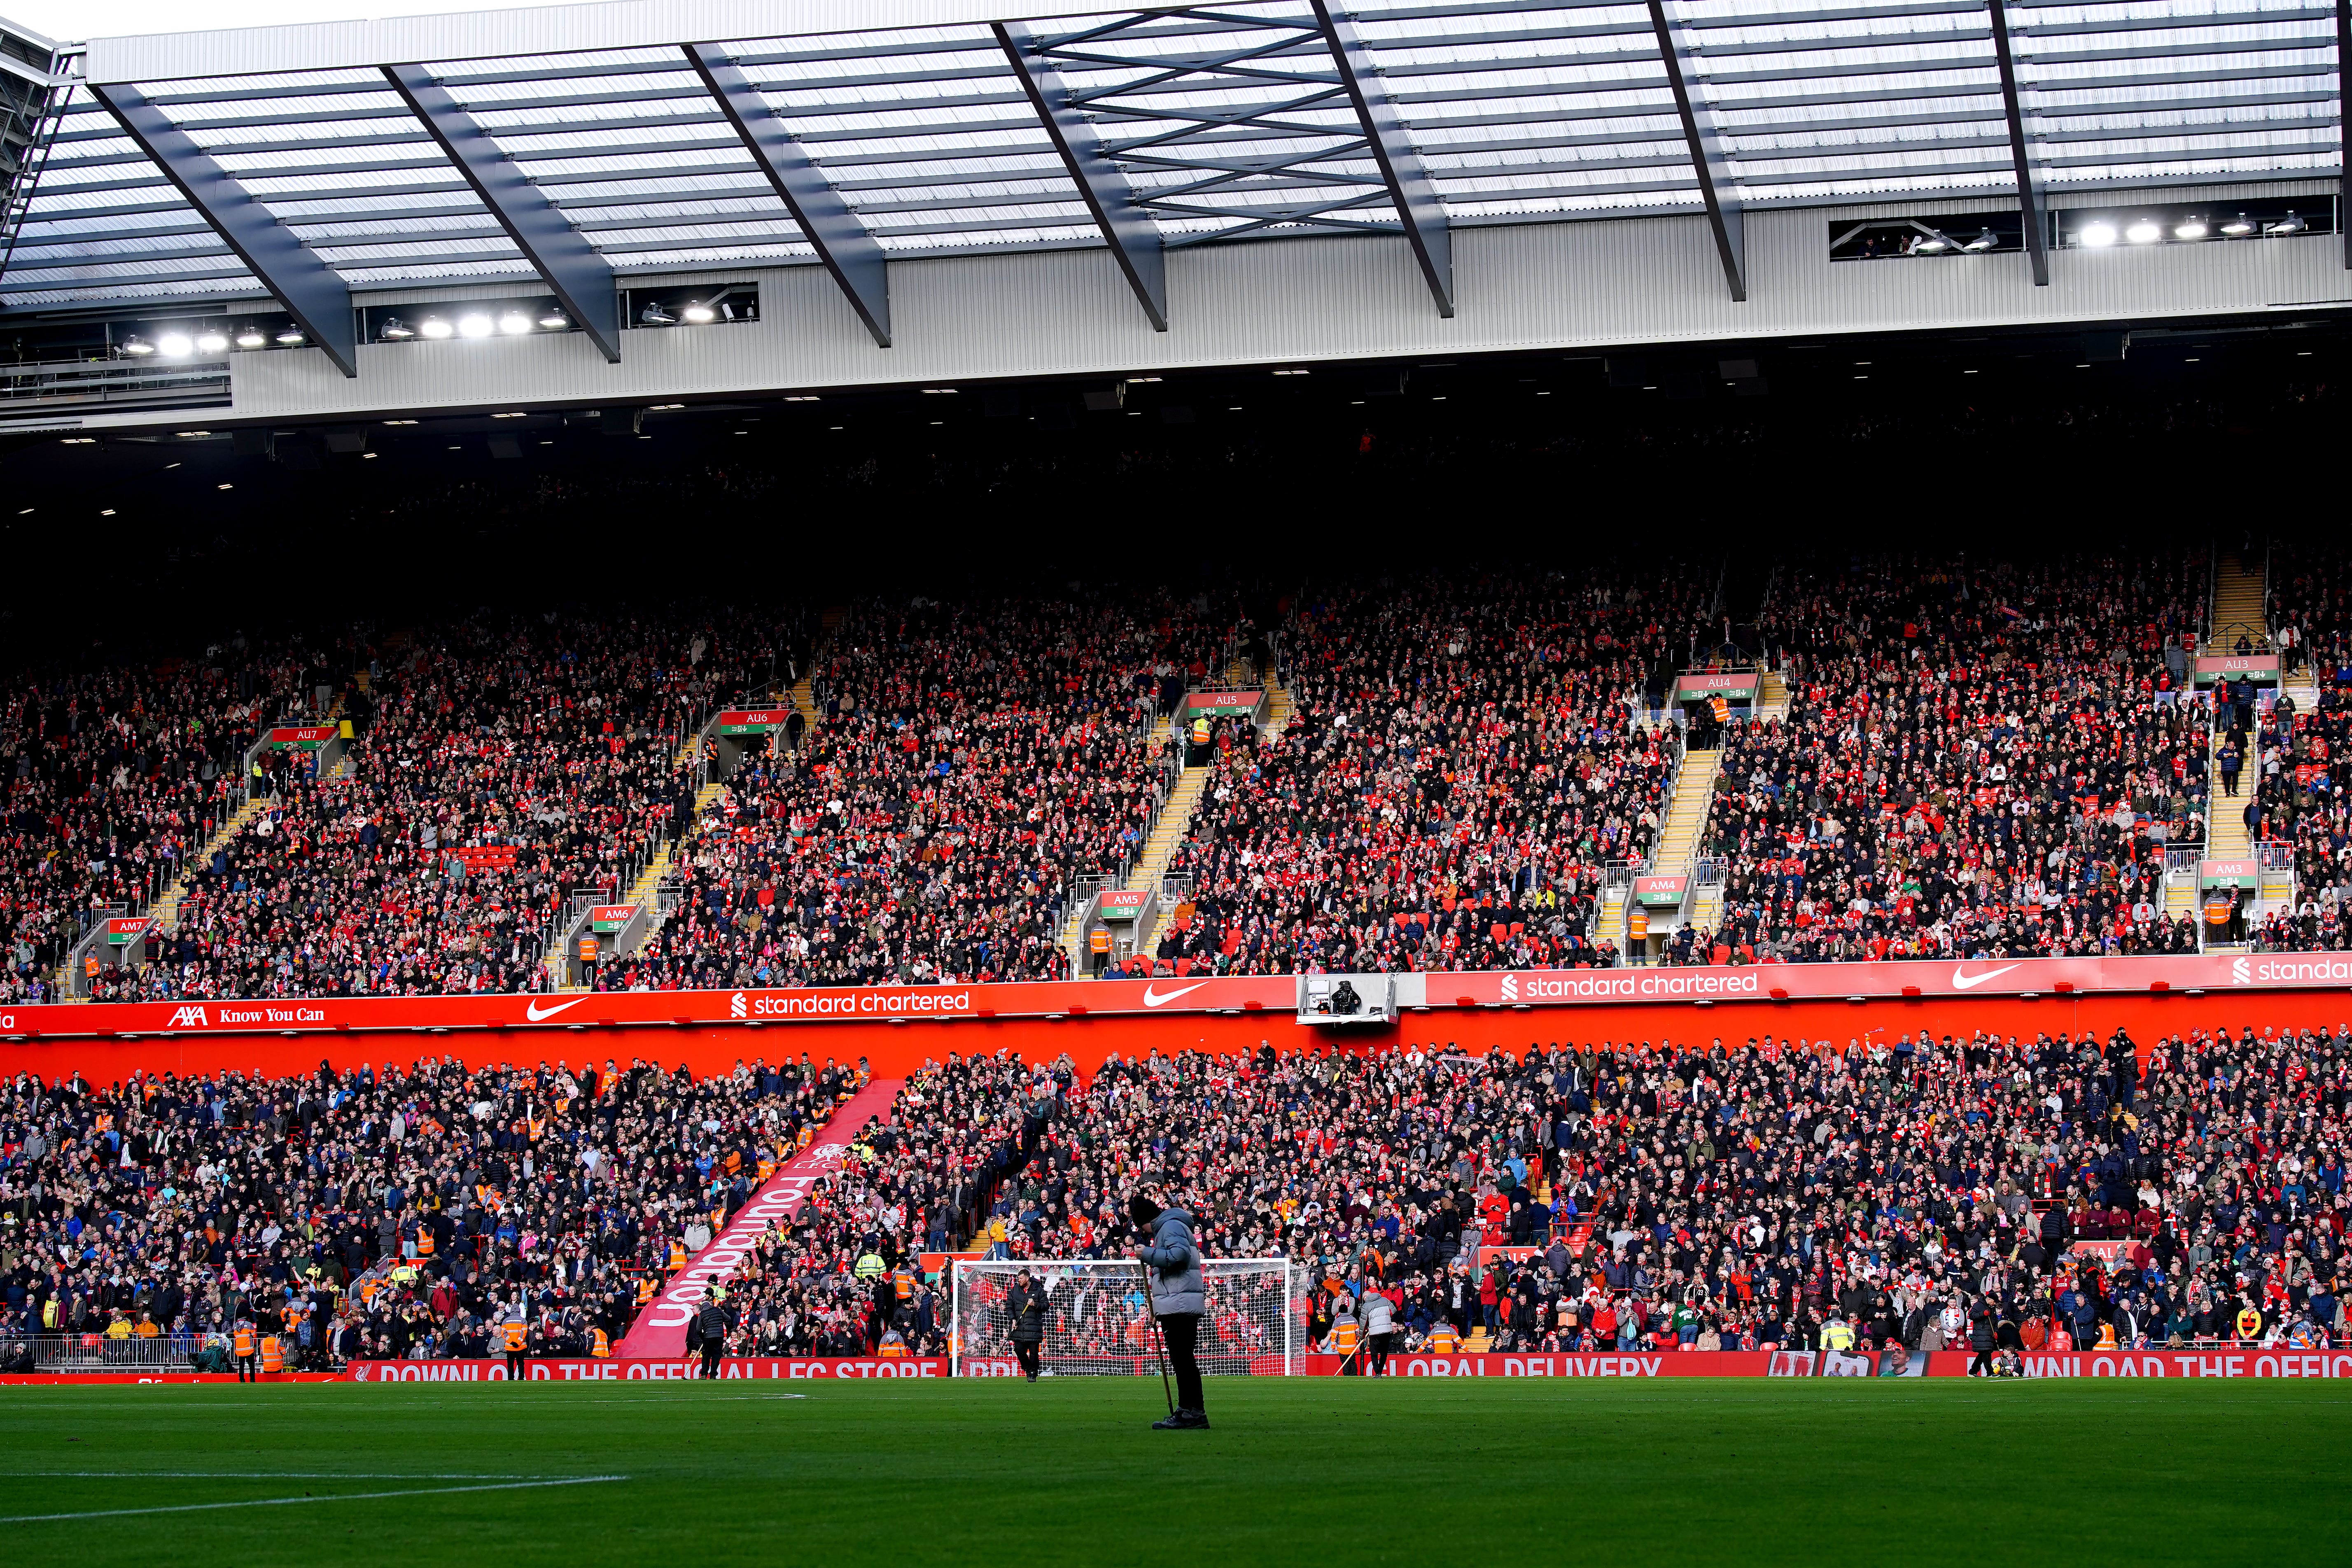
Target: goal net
(1099, 1319)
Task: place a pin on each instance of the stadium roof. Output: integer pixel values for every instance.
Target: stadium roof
(583, 144)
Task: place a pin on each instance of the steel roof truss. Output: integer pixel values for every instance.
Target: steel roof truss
(310, 290)
(2021, 135)
(577, 276)
(1134, 238)
(831, 229)
(1708, 157)
(1416, 200)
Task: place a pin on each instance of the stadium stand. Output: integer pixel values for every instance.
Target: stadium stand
(1976, 761)
(1599, 1194)
(968, 761)
(1466, 760)
(114, 779)
(367, 1215)
(498, 768)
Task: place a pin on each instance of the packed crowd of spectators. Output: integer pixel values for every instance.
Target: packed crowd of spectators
(1903, 1190)
(367, 1214)
(498, 767)
(1466, 760)
(1975, 762)
(109, 780)
(968, 763)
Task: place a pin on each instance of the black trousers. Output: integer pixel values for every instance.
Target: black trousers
(1381, 1343)
(515, 1360)
(1182, 1331)
(248, 1369)
(1027, 1350)
(1982, 1365)
(711, 1351)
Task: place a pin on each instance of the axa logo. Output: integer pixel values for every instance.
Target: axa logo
(736, 1007)
(1510, 987)
(2239, 974)
(184, 1016)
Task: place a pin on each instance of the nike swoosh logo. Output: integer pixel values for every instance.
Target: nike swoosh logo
(534, 1013)
(1961, 982)
(1152, 998)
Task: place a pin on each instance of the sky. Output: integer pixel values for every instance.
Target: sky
(75, 20)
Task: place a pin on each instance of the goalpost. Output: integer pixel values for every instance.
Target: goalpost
(1099, 1319)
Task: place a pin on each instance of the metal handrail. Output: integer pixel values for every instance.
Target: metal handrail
(99, 1352)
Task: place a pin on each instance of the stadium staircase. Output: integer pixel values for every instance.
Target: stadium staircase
(1678, 840)
(165, 909)
(2238, 608)
(645, 892)
(804, 688)
(1175, 814)
(647, 1340)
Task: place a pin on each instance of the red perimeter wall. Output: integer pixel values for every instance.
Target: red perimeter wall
(894, 1050)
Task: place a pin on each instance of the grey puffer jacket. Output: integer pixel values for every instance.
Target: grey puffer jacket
(1175, 1259)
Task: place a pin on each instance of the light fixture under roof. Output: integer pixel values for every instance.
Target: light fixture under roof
(553, 321)
(2146, 231)
(291, 336)
(212, 341)
(654, 316)
(137, 347)
(1930, 245)
(1985, 240)
(514, 323)
(395, 331)
(2287, 225)
(175, 345)
(252, 337)
(2097, 233)
(2241, 224)
(476, 325)
(2189, 228)
(698, 312)
(434, 327)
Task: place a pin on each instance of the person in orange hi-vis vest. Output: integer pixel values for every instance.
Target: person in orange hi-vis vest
(1343, 1340)
(273, 1355)
(644, 1291)
(677, 1256)
(518, 1343)
(601, 1348)
(1441, 1339)
(902, 1281)
(423, 1241)
(242, 1345)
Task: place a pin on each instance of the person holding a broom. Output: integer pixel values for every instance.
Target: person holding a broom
(1179, 1294)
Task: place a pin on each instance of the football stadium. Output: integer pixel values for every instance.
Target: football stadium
(1301, 780)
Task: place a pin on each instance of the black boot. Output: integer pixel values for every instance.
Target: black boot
(1183, 1419)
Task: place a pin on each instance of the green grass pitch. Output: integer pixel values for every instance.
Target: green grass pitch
(1294, 1472)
